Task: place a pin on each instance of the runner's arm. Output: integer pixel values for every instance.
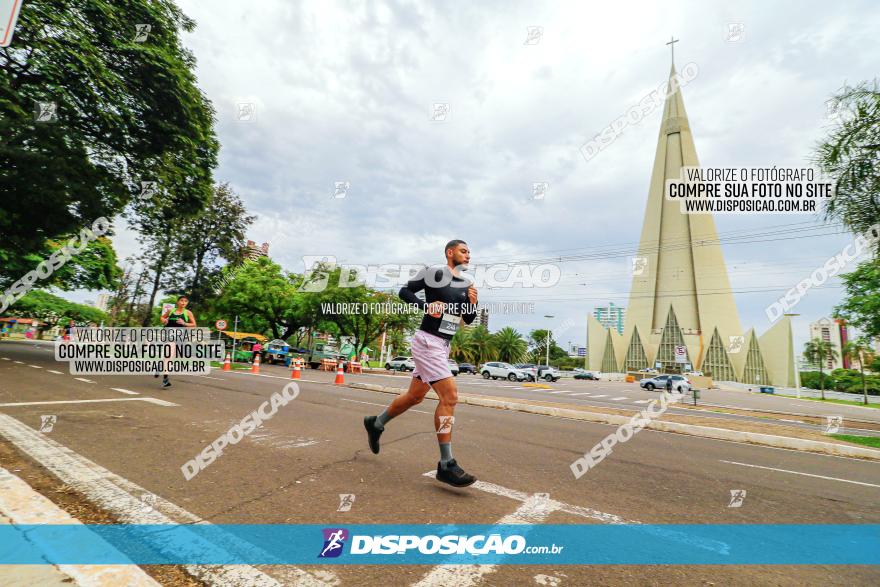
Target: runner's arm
(164, 318)
(192, 320)
(408, 292)
(469, 317)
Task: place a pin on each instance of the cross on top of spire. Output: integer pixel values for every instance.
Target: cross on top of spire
(671, 43)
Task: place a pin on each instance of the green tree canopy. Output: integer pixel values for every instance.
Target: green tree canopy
(509, 345)
(87, 113)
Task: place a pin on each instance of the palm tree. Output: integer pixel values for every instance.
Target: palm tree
(817, 352)
(460, 347)
(481, 345)
(859, 350)
(510, 346)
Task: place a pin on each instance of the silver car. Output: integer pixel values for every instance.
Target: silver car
(498, 370)
(679, 383)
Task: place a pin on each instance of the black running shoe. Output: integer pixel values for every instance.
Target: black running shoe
(166, 383)
(373, 433)
(454, 475)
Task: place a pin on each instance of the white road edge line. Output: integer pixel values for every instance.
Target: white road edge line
(23, 506)
(55, 372)
(800, 473)
(150, 400)
(83, 380)
(35, 366)
(118, 495)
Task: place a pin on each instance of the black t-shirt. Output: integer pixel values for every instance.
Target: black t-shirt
(439, 285)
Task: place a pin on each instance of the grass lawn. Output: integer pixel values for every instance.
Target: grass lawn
(840, 401)
(872, 441)
(235, 366)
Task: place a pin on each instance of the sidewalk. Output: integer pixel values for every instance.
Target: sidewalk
(20, 504)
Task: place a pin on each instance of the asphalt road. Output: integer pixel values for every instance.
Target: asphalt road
(293, 469)
(630, 397)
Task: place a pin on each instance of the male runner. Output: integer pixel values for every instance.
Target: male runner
(176, 317)
(449, 300)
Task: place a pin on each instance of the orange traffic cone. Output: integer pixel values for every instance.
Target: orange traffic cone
(255, 368)
(227, 363)
(295, 373)
(339, 377)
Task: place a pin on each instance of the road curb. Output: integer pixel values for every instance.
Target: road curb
(815, 446)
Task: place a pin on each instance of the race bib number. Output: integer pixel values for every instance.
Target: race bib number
(449, 324)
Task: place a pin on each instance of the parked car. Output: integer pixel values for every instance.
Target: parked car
(586, 375)
(530, 369)
(467, 368)
(679, 383)
(548, 373)
(453, 366)
(503, 371)
(401, 364)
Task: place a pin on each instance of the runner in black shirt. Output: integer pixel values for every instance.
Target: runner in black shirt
(449, 299)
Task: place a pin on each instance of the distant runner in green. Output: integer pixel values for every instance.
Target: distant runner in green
(176, 317)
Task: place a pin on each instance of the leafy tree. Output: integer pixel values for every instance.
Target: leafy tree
(481, 345)
(818, 352)
(53, 310)
(510, 346)
(538, 344)
(459, 347)
(859, 350)
(364, 326)
(218, 230)
(124, 112)
(265, 299)
(861, 305)
(851, 156)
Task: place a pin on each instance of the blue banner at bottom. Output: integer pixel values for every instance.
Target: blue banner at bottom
(270, 544)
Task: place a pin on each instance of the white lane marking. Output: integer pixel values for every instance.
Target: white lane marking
(19, 362)
(83, 380)
(151, 400)
(22, 505)
(382, 405)
(562, 391)
(5, 358)
(35, 366)
(122, 497)
(522, 496)
(800, 473)
(584, 393)
(603, 395)
(534, 510)
(795, 421)
(619, 399)
(120, 390)
(55, 372)
(642, 401)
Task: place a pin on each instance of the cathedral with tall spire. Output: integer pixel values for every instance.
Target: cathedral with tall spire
(681, 302)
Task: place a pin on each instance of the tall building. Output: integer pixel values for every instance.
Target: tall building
(611, 316)
(681, 313)
(835, 332)
(482, 319)
(252, 251)
(102, 302)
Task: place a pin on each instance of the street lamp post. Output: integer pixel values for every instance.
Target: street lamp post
(797, 375)
(548, 343)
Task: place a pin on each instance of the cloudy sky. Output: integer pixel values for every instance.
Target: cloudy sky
(344, 91)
